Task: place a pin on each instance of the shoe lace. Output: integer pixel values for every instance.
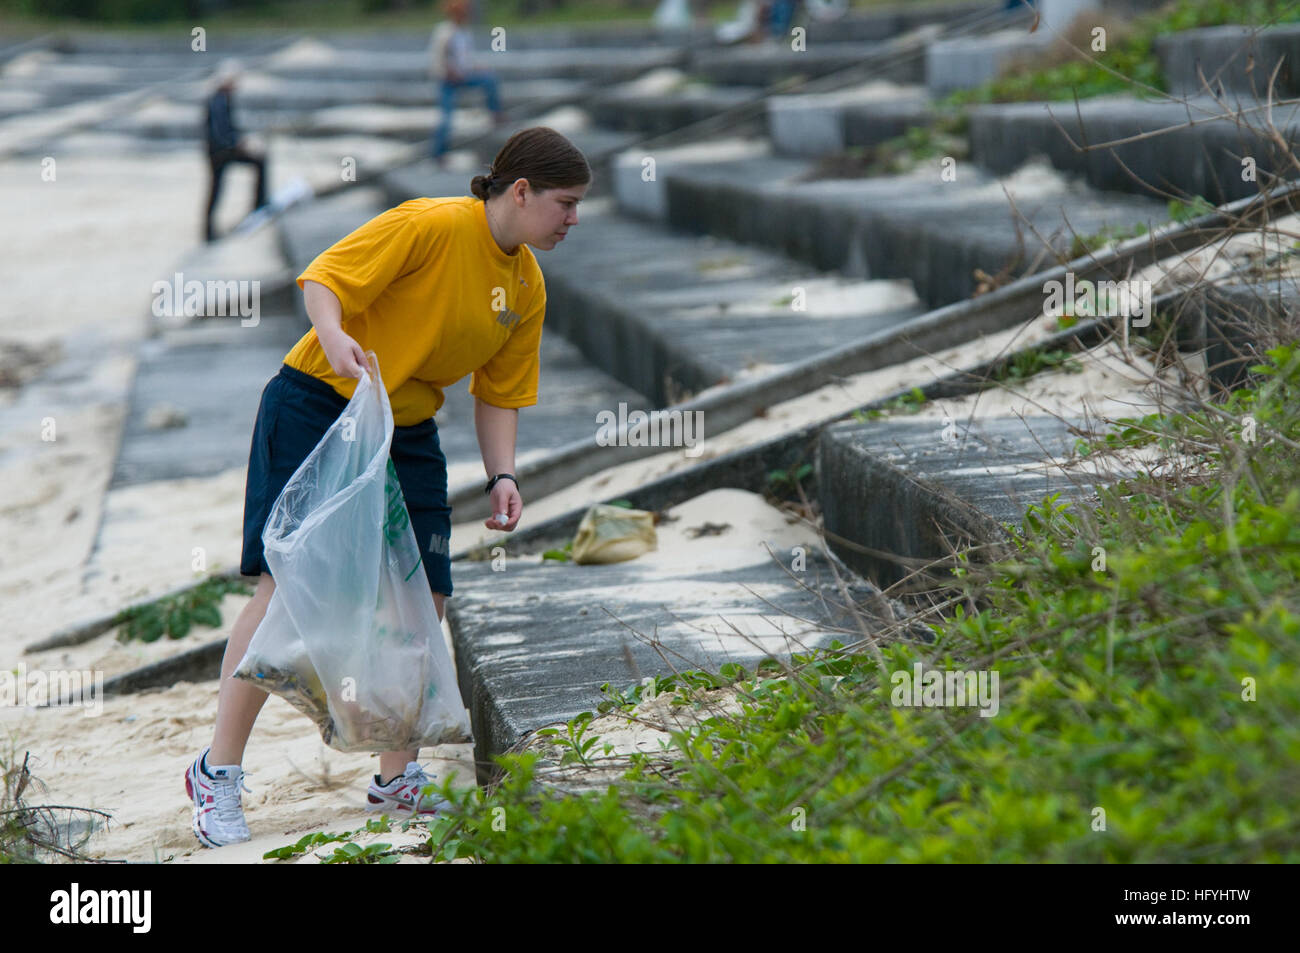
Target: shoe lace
(417, 776)
(226, 797)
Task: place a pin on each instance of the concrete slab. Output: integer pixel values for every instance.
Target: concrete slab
(313, 59)
(919, 489)
(308, 229)
(669, 314)
(1234, 59)
(656, 114)
(1235, 324)
(536, 639)
(195, 396)
(769, 62)
(822, 123)
(869, 124)
(918, 226)
(1196, 152)
(967, 62)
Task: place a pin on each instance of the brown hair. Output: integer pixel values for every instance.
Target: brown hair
(539, 154)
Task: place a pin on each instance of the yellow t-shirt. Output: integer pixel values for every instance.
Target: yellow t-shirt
(426, 287)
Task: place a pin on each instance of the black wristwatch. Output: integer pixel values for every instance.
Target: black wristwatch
(500, 476)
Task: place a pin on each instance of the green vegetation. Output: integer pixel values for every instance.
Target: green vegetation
(1149, 706)
(908, 403)
(349, 853)
(1026, 364)
(175, 615)
(1129, 62)
(1083, 244)
(945, 136)
(786, 484)
(1181, 211)
(563, 554)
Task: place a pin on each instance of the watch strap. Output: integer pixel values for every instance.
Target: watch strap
(500, 476)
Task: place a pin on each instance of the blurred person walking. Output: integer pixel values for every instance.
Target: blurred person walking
(226, 144)
(449, 50)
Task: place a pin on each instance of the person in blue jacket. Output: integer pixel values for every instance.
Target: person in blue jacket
(226, 145)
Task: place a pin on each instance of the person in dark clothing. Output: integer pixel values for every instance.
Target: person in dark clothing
(227, 145)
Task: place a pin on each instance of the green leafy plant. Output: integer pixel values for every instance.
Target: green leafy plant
(1025, 364)
(908, 403)
(1186, 211)
(562, 554)
(1081, 245)
(175, 615)
(376, 825)
(783, 483)
(351, 853)
(579, 747)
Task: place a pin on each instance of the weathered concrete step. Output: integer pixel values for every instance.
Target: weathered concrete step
(816, 124)
(1235, 324)
(595, 64)
(1200, 154)
(569, 387)
(765, 64)
(161, 46)
(367, 110)
(536, 639)
(669, 313)
(919, 490)
(15, 102)
(194, 398)
(919, 226)
(1234, 59)
(965, 62)
(638, 108)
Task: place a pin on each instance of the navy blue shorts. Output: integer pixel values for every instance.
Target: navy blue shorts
(295, 412)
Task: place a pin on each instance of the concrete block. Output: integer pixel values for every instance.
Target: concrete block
(535, 642)
(1195, 152)
(899, 487)
(1233, 59)
(966, 62)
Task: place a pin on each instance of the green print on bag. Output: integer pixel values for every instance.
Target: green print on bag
(396, 519)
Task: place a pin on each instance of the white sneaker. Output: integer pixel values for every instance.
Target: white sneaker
(218, 813)
(402, 793)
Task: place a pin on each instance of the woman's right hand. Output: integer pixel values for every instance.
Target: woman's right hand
(344, 354)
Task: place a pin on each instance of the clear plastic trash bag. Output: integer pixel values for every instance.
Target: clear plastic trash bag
(351, 636)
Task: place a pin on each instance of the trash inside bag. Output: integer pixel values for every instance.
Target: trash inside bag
(611, 534)
(351, 636)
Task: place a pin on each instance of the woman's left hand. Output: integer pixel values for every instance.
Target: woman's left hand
(506, 500)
